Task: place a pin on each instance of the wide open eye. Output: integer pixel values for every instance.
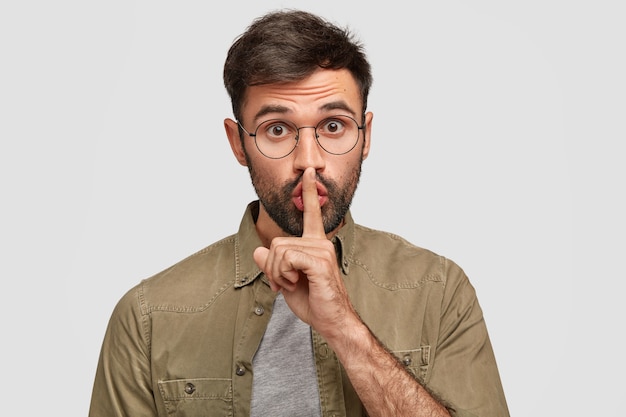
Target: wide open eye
(334, 127)
(276, 130)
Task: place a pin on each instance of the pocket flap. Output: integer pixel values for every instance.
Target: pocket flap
(177, 389)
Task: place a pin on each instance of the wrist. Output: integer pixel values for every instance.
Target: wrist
(351, 339)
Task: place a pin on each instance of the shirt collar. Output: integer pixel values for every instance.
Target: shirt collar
(247, 240)
(344, 243)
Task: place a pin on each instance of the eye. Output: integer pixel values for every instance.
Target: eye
(276, 130)
(332, 127)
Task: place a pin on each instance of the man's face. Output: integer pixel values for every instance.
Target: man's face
(278, 182)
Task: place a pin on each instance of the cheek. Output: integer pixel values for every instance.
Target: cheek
(267, 171)
(345, 169)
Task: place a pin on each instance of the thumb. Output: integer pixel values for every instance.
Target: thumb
(260, 256)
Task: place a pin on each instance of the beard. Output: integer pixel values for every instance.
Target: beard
(277, 200)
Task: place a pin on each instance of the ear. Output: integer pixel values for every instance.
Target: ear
(367, 134)
(232, 132)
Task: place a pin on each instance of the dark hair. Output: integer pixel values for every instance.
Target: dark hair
(289, 45)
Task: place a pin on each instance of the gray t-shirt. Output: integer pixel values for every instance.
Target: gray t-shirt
(285, 379)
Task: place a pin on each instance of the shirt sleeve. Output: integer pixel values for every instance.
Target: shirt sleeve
(464, 366)
(123, 384)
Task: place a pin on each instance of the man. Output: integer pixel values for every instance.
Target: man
(302, 312)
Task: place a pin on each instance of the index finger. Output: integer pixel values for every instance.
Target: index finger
(312, 217)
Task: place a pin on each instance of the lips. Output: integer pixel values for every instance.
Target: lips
(296, 196)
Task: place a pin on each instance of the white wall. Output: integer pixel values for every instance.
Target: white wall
(495, 143)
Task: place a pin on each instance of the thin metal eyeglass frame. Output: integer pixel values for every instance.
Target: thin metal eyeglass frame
(297, 138)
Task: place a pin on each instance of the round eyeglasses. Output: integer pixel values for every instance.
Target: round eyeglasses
(277, 138)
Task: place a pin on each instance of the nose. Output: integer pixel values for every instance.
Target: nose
(308, 153)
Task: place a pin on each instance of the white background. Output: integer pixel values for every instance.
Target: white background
(497, 142)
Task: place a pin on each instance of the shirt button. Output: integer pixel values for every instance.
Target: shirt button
(240, 371)
(407, 360)
(259, 310)
(324, 351)
(190, 388)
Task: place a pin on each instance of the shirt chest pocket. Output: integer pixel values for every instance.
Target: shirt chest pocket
(197, 397)
(417, 361)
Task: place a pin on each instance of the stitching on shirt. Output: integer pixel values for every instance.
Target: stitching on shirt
(237, 264)
(322, 384)
(400, 285)
(147, 309)
(176, 396)
(166, 307)
(434, 277)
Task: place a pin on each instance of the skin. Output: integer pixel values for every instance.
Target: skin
(304, 268)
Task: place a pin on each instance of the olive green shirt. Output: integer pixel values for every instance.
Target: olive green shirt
(181, 343)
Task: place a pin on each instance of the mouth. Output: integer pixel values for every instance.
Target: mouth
(296, 196)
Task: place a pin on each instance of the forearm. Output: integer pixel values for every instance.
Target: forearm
(384, 386)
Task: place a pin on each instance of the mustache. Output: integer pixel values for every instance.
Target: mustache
(329, 184)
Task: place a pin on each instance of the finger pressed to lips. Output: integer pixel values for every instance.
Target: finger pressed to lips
(313, 223)
(298, 196)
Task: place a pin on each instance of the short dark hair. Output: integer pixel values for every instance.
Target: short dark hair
(289, 45)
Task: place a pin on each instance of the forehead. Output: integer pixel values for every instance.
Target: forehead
(323, 92)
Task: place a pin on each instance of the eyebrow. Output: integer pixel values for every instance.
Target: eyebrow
(277, 108)
(270, 108)
(338, 105)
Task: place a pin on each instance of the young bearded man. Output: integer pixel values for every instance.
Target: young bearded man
(302, 312)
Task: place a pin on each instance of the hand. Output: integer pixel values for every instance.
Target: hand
(305, 269)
